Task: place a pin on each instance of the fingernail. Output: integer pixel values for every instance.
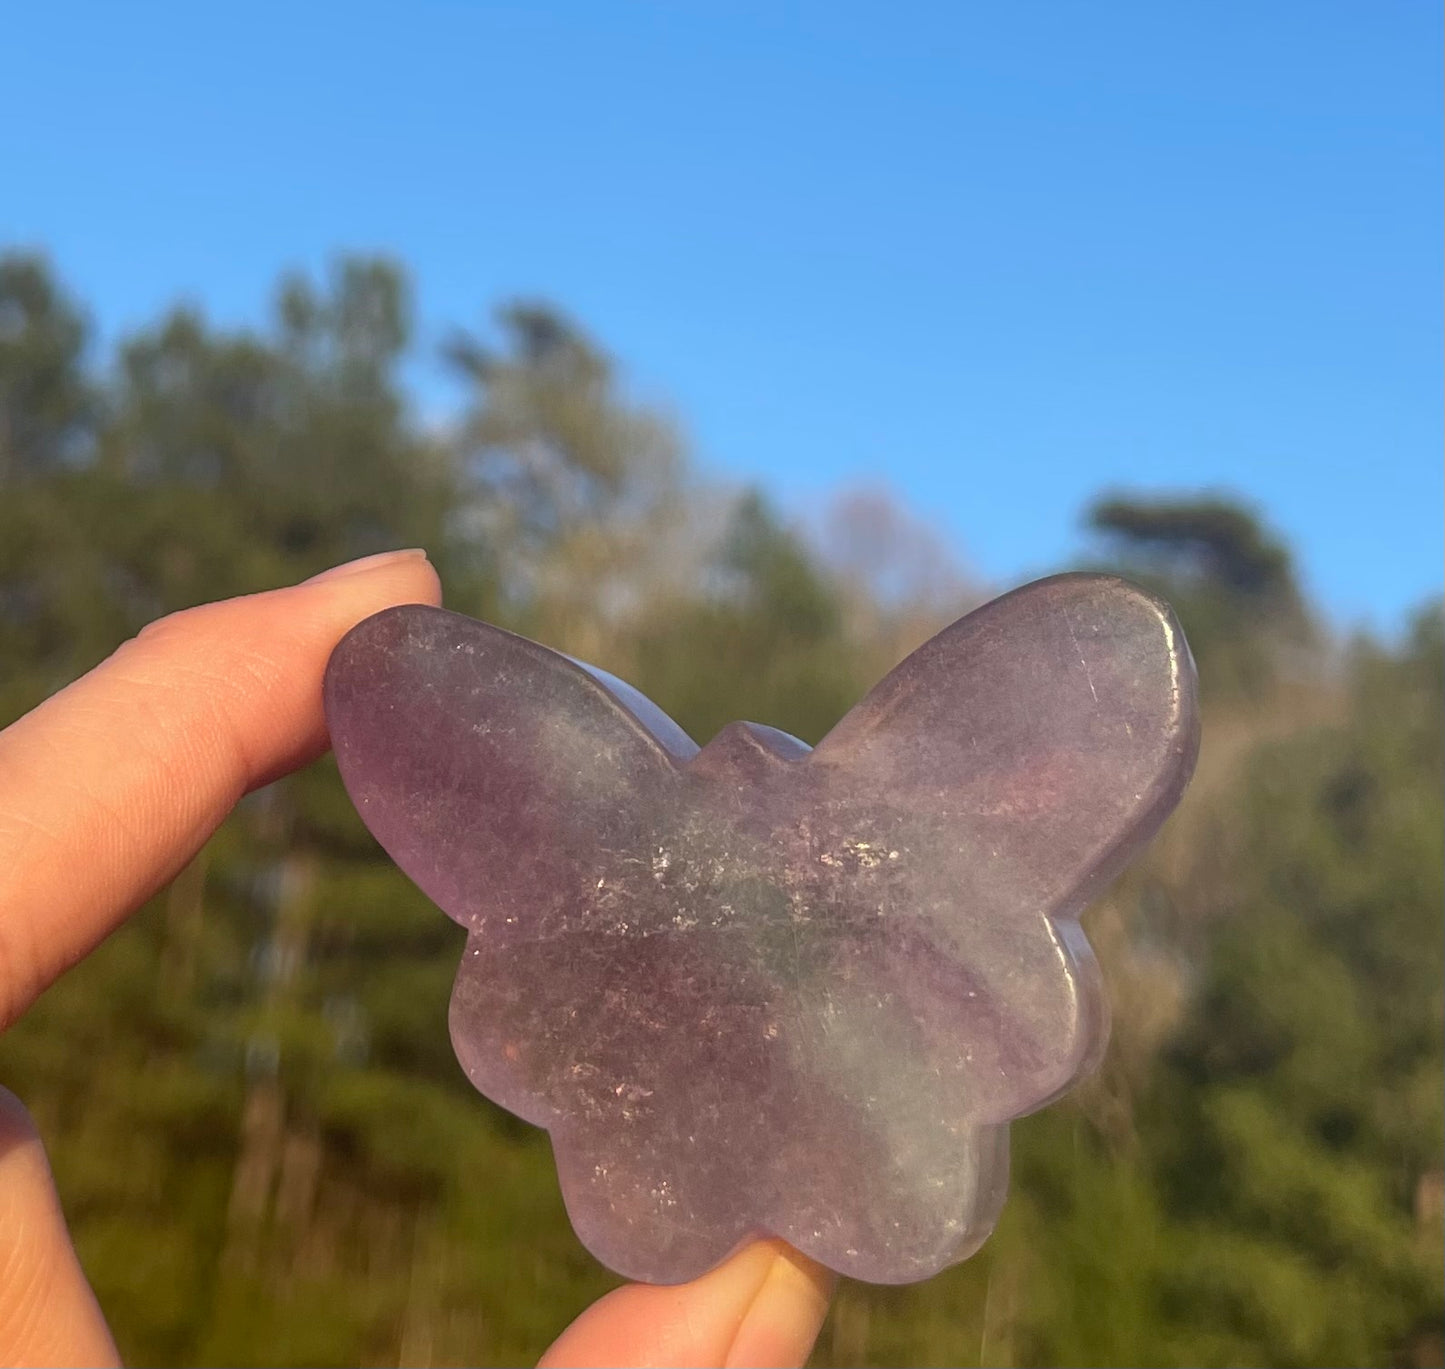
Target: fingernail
(368, 563)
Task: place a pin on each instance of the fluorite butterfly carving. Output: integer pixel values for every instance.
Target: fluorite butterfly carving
(755, 988)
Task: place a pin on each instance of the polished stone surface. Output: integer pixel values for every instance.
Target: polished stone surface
(757, 988)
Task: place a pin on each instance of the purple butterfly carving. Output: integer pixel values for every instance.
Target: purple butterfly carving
(755, 988)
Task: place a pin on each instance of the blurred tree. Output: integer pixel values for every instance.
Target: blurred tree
(571, 492)
(764, 639)
(1303, 1091)
(870, 540)
(1210, 540)
(898, 580)
(294, 451)
(1231, 580)
(48, 412)
(47, 404)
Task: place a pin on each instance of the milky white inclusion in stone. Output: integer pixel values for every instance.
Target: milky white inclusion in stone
(755, 988)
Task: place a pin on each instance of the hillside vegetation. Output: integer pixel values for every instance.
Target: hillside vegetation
(263, 1142)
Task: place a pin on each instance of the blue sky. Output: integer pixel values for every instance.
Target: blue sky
(999, 255)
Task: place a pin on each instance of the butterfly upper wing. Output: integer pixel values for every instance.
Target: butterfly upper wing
(1012, 765)
(490, 768)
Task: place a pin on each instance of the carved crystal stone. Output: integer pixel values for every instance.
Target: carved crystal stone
(755, 988)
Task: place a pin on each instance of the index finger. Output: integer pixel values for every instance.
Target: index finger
(112, 785)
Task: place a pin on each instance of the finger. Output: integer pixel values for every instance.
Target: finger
(48, 1315)
(111, 786)
(764, 1306)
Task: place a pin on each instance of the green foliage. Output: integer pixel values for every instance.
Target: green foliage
(770, 619)
(1231, 580)
(1298, 1083)
(263, 1141)
(1211, 539)
(46, 401)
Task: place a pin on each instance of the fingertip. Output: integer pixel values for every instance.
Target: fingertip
(303, 617)
(786, 1313)
(391, 577)
(48, 1314)
(763, 1306)
(365, 564)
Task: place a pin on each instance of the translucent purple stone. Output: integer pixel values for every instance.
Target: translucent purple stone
(759, 989)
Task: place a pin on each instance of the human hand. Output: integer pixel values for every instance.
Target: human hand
(107, 790)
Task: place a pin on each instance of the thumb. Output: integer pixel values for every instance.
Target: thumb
(48, 1315)
(761, 1307)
